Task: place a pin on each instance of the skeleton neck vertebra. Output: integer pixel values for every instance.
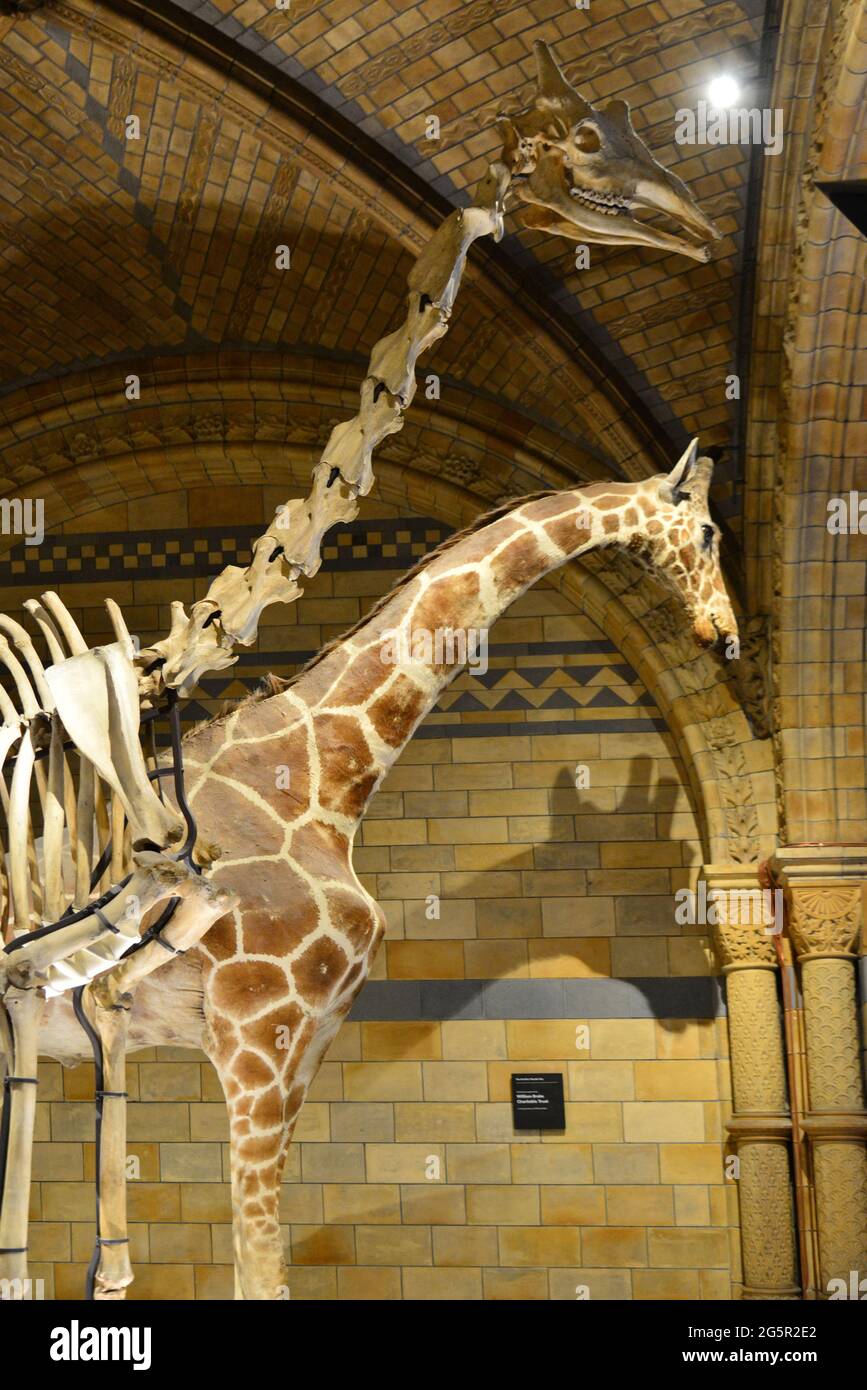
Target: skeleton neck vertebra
(580, 172)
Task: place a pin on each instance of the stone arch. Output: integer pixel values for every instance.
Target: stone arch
(548, 355)
(85, 438)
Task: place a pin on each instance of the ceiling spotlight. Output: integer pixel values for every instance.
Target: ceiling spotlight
(723, 91)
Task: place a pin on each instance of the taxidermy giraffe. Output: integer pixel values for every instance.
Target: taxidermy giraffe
(283, 782)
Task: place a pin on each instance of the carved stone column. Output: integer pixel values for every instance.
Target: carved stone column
(825, 888)
(760, 1126)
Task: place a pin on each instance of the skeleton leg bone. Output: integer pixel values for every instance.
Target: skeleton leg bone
(23, 973)
(110, 1271)
(23, 1003)
(104, 1008)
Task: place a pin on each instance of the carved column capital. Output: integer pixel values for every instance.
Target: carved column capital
(825, 887)
(742, 932)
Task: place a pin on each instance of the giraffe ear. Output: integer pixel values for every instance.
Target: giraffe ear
(681, 473)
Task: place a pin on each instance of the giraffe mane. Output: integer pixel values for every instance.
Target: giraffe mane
(485, 519)
(272, 684)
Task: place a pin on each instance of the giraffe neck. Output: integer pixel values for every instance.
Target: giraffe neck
(368, 694)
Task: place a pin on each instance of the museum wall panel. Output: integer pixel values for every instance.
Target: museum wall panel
(531, 925)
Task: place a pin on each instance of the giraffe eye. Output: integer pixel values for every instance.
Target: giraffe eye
(707, 533)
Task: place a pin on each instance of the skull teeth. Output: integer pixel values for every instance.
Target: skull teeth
(608, 203)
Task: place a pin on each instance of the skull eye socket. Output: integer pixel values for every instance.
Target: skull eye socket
(587, 139)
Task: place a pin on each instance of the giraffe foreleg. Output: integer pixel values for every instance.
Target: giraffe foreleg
(269, 1024)
(261, 1269)
(264, 1095)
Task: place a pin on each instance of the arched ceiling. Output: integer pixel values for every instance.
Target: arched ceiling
(306, 127)
(666, 327)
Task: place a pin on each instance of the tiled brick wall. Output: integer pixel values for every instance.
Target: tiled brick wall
(555, 912)
(629, 1201)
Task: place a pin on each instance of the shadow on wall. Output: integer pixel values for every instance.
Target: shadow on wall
(554, 990)
(672, 1001)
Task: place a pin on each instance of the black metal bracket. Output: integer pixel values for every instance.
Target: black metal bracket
(96, 1046)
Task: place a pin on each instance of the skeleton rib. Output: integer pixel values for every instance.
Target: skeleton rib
(54, 898)
(47, 628)
(65, 621)
(20, 839)
(84, 831)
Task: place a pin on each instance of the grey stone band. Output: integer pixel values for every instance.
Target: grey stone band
(693, 996)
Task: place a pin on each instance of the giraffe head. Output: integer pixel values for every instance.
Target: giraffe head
(682, 545)
(585, 172)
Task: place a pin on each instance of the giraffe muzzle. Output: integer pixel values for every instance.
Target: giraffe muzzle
(716, 635)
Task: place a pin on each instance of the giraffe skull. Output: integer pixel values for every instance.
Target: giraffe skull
(584, 173)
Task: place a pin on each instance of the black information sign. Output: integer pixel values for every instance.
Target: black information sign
(537, 1100)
